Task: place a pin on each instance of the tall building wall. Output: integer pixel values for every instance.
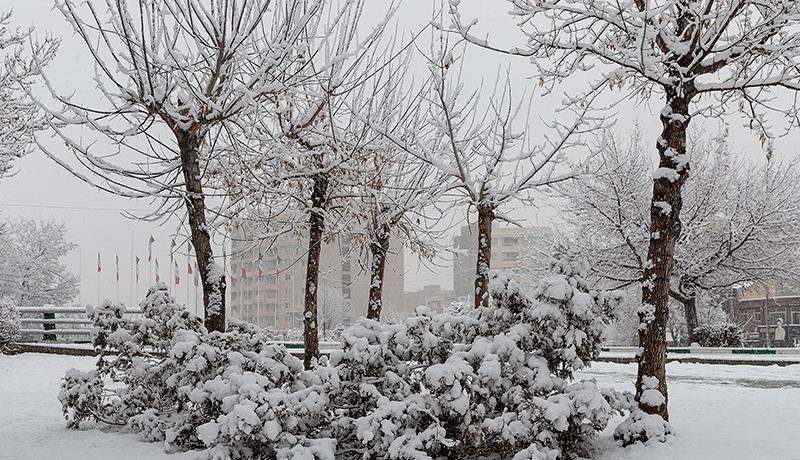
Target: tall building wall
(273, 297)
(513, 248)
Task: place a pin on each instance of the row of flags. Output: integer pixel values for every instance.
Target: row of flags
(191, 269)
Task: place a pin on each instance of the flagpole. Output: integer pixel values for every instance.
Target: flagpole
(98, 278)
(130, 272)
(80, 273)
(116, 274)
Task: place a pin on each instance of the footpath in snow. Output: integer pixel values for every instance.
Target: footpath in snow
(719, 412)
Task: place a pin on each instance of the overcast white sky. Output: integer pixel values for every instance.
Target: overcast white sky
(43, 190)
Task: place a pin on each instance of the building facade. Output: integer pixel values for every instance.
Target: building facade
(513, 248)
(431, 296)
(268, 283)
(759, 312)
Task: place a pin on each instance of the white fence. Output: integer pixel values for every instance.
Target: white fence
(58, 324)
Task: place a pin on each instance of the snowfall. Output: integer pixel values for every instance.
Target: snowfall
(717, 411)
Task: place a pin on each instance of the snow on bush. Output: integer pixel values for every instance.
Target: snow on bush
(10, 325)
(640, 426)
(496, 381)
(719, 335)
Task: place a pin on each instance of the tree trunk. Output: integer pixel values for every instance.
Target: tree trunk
(690, 311)
(315, 231)
(211, 276)
(689, 302)
(379, 249)
(665, 228)
(485, 218)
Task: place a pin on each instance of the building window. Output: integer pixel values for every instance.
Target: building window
(775, 315)
(796, 317)
(743, 317)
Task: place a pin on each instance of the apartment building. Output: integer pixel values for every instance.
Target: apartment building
(268, 283)
(513, 248)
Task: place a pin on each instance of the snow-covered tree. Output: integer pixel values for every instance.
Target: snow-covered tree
(10, 324)
(335, 312)
(296, 171)
(739, 221)
(20, 68)
(397, 192)
(32, 272)
(486, 149)
(703, 57)
(172, 80)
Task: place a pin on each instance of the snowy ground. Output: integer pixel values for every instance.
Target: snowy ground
(720, 412)
(31, 424)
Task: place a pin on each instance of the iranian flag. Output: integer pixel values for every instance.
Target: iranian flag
(99, 269)
(150, 248)
(158, 278)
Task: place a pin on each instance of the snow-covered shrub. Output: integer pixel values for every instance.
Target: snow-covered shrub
(495, 383)
(81, 397)
(719, 335)
(490, 382)
(10, 325)
(164, 376)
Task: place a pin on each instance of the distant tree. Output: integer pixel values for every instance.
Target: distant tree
(32, 272)
(19, 69)
(334, 310)
(10, 325)
(741, 222)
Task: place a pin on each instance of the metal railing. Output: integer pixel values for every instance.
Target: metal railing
(58, 324)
